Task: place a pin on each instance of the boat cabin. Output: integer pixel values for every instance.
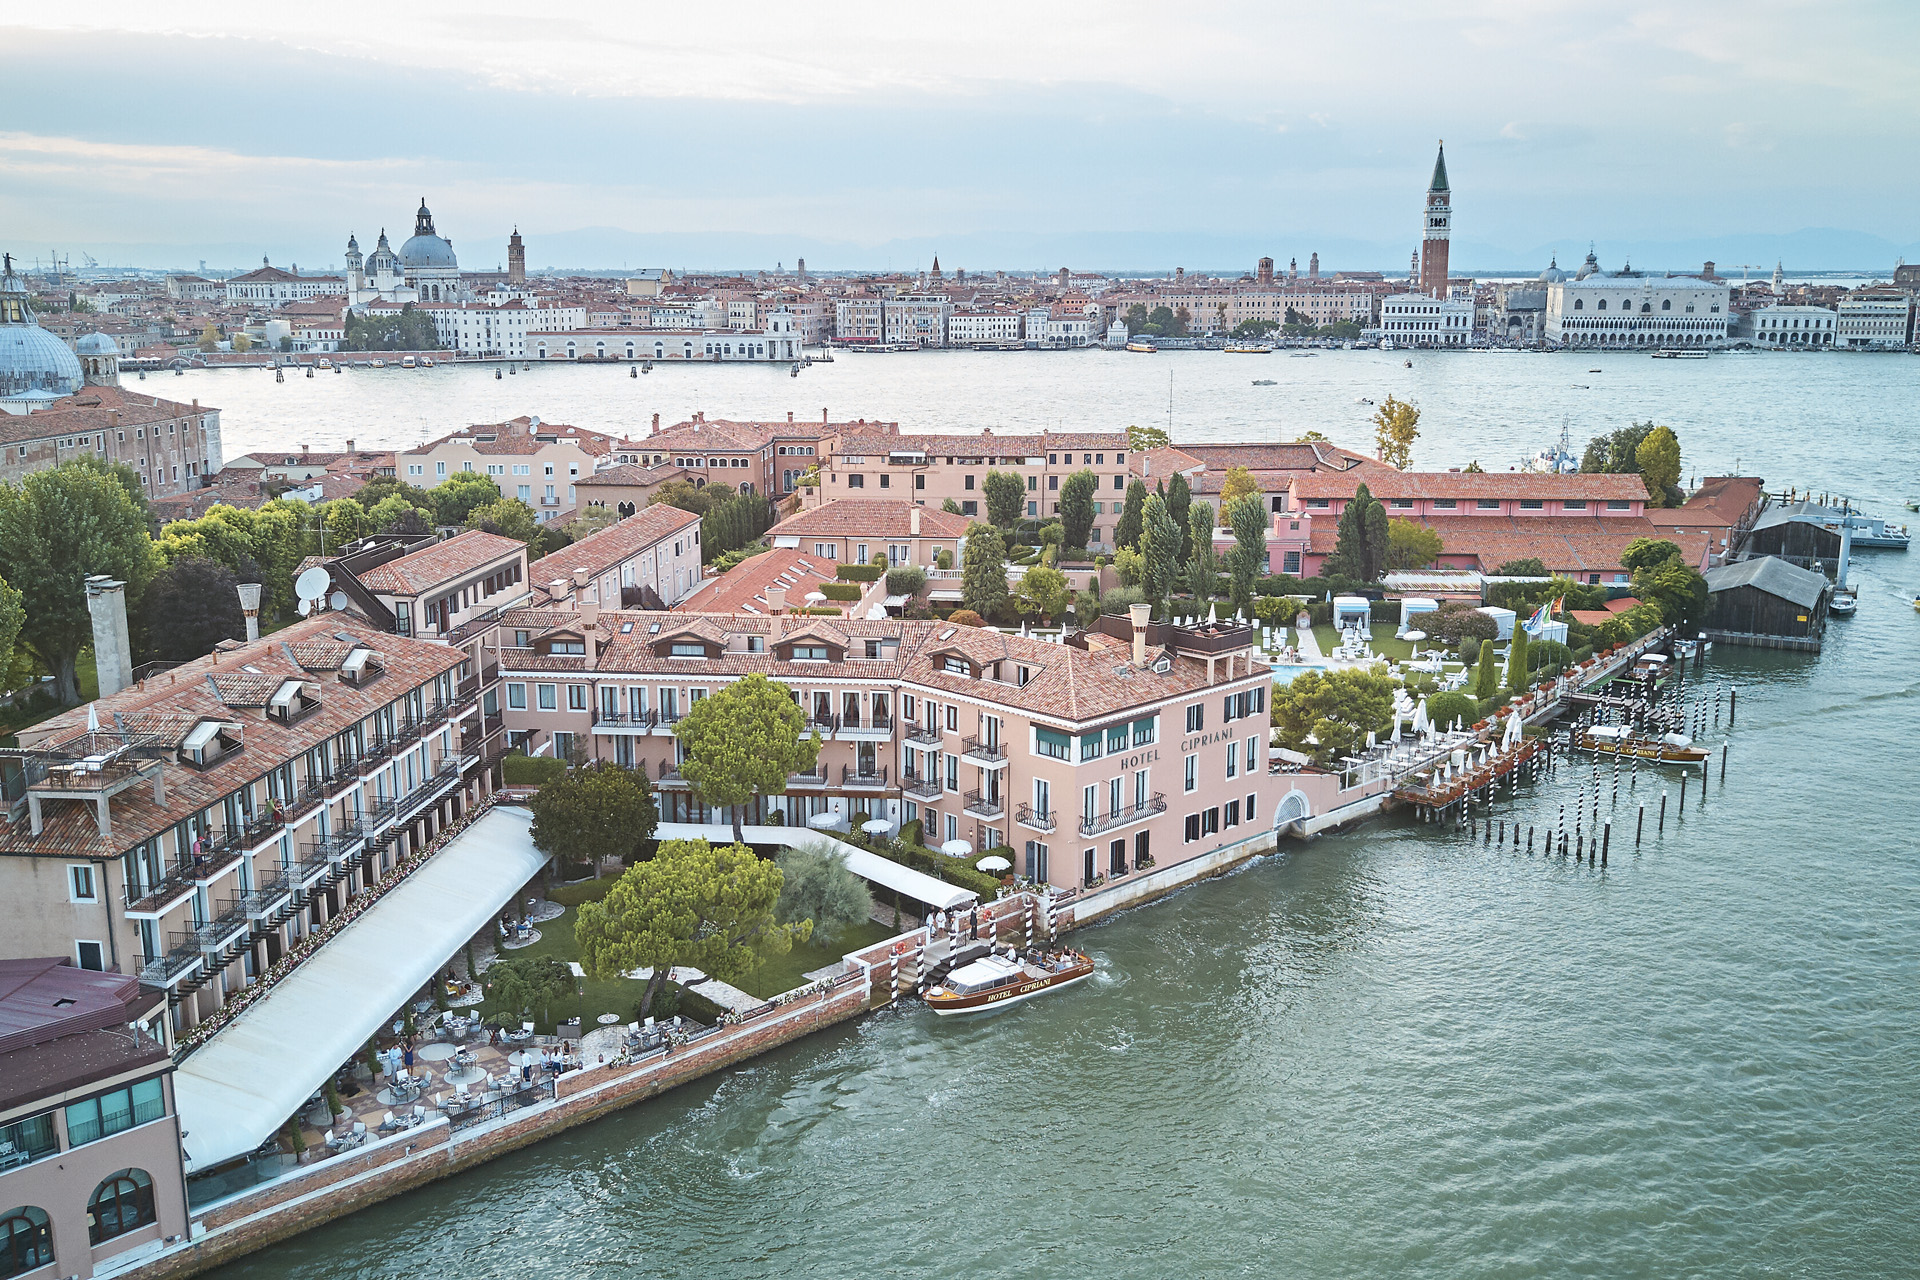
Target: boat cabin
(985, 974)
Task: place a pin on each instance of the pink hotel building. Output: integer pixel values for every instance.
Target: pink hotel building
(1146, 747)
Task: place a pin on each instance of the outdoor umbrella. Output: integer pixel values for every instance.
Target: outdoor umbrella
(994, 862)
(876, 826)
(824, 821)
(956, 848)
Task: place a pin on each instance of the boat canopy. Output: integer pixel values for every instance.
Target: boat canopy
(981, 975)
(1609, 732)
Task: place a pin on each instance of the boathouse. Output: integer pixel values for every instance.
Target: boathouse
(1768, 603)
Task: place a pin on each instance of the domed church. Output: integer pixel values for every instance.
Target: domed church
(35, 367)
(427, 262)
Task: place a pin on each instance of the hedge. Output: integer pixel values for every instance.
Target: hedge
(858, 572)
(840, 590)
(531, 771)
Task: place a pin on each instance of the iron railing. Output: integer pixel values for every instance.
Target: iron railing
(1113, 818)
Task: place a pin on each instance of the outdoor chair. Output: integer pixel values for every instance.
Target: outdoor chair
(419, 1113)
(359, 1129)
(386, 1123)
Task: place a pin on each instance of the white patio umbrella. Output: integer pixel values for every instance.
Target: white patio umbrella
(1420, 722)
(956, 848)
(815, 597)
(93, 718)
(824, 821)
(1515, 732)
(876, 826)
(994, 862)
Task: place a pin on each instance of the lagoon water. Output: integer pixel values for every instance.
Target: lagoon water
(1391, 1052)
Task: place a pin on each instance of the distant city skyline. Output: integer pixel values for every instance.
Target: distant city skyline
(1028, 140)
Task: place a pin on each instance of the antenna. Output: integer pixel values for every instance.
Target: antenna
(311, 587)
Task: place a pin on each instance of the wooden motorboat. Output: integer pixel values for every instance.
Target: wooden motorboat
(1618, 740)
(998, 982)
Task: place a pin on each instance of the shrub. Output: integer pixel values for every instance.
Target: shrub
(818, 611)
(531, 771)
(1445, 708)
(840, 590)
(1470, 650)
(912, 832)
(1582, 654)
(860, 572)
(943, 558)
(1117, 600)
(1455, 621)
(1384, 611)
(966, 618)
(1548, 655)
(879, 561)
(908, 580)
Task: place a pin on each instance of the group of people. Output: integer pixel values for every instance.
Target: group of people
(951, 923)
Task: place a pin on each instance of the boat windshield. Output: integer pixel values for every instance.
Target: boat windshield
(983, 974)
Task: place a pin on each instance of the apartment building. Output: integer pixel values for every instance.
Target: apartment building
(860, 319)
(193, 828)
(855, 530)
(90, 1168)
(918, 318)
(1874, 322)
(1417, 320)
(969, 326)
(484, 329)
(627, 487)
(1133, 745)
(776, 339)
(423, 586)
(929, 469)
(174, 448)
(534, 461)
(649, 560)
(755, 457)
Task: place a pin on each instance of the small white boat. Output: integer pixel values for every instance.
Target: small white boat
(1844, 601)
(379, 364)
(323, 363)
(426, 362)
(999, 982)
(406, 362)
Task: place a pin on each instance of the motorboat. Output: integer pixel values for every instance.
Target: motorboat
(1619, 740)
(1247, 349)
(323, 363)
(1263, 382)
(995, 981)
(1845, 601)
(1678, 353)
(378, 363)
(1136, 344)
(407, 362)
(1649, 670)
(426, 362)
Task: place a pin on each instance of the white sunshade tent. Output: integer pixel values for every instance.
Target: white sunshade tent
(237, 1090)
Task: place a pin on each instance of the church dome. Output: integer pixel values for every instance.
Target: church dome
(31, 359)
(1553, 274)
(96, 344)
(425, 248)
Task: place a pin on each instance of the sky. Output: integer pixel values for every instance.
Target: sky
(998, 135)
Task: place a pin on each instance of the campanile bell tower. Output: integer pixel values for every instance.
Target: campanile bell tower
(1438, 230)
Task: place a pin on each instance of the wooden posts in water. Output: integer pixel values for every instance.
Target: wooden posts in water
(1723, 762)
(1606, 841)
(1640, 827)
(1733, 703)
(1662, 828)
(1682, 811)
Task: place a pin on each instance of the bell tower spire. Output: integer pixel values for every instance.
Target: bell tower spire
(1438, 229)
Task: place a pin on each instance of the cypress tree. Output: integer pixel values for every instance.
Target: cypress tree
(1517, 662)
(1486, 678)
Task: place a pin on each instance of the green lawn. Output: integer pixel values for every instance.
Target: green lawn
(620, 995)
(1383, 641)
(784, 973)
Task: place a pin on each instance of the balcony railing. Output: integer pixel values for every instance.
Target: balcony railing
(220, 930)
(872, 724)
(271, 886)
(1121, 817)
(916, 784)
(984, 806)
(806, 780)
(631, 719)
(163, 893)
(1037, 819)
(868, 778)
(983, 751)
(310, 866)
(925, 735)
(181, 957)
(823, 725)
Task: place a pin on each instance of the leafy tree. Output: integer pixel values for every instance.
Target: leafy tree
(707, 907)
(1396, 425)
(411, 330)
(1140, 439)
(1127, 533)
(1252, 329)
(1247, 559)
(209, 337)
(380, 488)
(744, 742)
(1076, 506)
(593, 813)
(1239, 483)
(1677, 589)
(1044, 591)
(983, 571)
(1320, 437)
(12, 614)
(686, 496)
(240, 342)
(1644, 553)
(525, 985)
(966, 618)
(509, 517)
(1486, 678)
(1179, 500)
(344, 521)
(1361, 544)
(191, 605)
(1160, 548)
(1474, 468)
(1445, 709)
(1659, 459)
(59, 526)
(1200, 557)
(1616, 453)
(951, 507)
(1529, 567)
(1455, 621)
(907, 580)
(1006, 493)
(1517, 668)
(1129, 565)
(816, 885)
(454, 499)
(1336, 709)
(1411, 545)
(121, 473)
(394, 514)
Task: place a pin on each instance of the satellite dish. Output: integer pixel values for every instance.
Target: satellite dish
(304, 608)
(338, 600)
(312, 585)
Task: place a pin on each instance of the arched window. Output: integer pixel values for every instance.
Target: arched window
(1666, 304)
(123, 1203)
(26, 1241)
(1603, 305)
(1577, 304)
(1645, 308)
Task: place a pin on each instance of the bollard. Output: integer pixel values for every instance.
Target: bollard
(1640, 827)
(1682, 812)
(1606, 841)
(1662, 828)
(1733, 702)
(1723, 762)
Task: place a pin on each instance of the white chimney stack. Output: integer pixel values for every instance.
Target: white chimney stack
(1140, 614)
(112, 651)
(250, 605)
(913, 520)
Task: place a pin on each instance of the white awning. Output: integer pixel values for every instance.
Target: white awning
(885, 872)
(240, 1087)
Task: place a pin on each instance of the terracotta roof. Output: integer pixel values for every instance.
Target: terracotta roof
(870, 518)
(723, 435)
(619, 541)
(93, 409)
(632, 473)
(522, 435)
(743, 588)
(1722, 502)
(1565, 544)
(439, 564)
(1298, 455)
(1065, 683)
(185, 695)
(865, 441)
(1508, 485)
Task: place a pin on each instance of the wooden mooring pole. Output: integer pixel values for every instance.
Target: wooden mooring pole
(1640, 827)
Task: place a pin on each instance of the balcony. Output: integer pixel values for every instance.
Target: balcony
(852, 777)
(667, 717)
(806, 781)
(1037, 819)
(924, 735)
(921, 788)
(624, 721)
(181, 959)
(984, 806)
(1114, 819)
(672, 779)
(231, 922)
(271, 889)
(156, 900)
(825, 726)
(310, 867)
(872, 729)
(988, 755)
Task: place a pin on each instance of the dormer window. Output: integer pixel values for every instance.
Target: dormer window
(806, 652)
(361, 666)
(292, 701)
(692, 649)
(210, 742)
(567, 647)
(955, 666)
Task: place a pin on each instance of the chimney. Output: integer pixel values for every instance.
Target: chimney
(113, 416)
(789, 416)
(305, 451)
(350, 446)
(581, 577)
(823, 417)
(250, 606)
(1140, 614)
(776, 599)
(914, 518)
(589, 617)
(561, 590)
(656, 424)
(112, 652)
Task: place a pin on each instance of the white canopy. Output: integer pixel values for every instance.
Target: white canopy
(239, 1088)
(885, 872)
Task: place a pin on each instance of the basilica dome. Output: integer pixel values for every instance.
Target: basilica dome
(425, 249)
(31, 359)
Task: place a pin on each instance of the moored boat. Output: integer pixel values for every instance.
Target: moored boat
(997, 982)
(1619, 740)
(1247, 349)
(407, 362)
(1142, 345)
(1844, 601)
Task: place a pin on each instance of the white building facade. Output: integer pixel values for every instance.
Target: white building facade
(920, 318)
(1784, 327)
(1641, 312)
(1873, 324)
(971, 328)
(476, 329)
(1416, 320)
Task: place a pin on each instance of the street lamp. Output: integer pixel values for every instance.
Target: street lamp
(250, 605)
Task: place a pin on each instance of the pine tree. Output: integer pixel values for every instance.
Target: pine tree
(1517, 662)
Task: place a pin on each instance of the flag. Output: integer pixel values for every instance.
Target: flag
(1538, 620)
